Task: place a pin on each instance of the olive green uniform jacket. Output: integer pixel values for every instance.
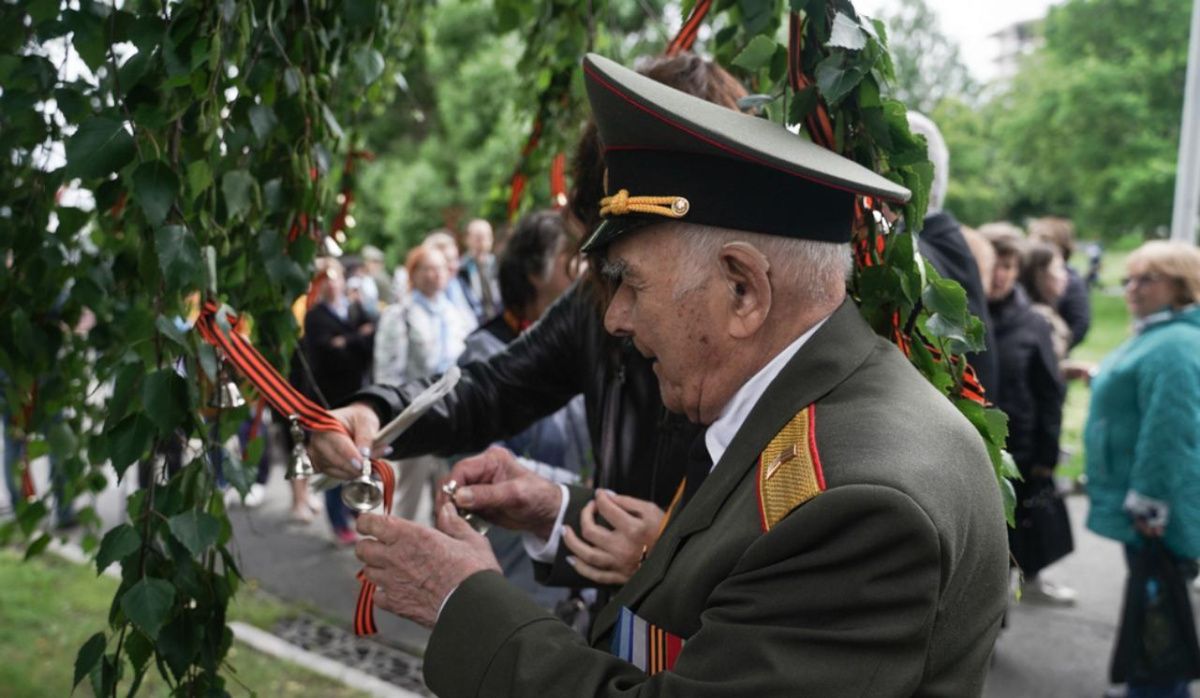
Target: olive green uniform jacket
(887, 578)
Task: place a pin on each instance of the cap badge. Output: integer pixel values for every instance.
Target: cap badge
(622, 203)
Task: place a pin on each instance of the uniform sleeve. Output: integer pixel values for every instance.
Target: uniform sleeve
(839, 599)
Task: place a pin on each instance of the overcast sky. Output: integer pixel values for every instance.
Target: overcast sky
(970, 23)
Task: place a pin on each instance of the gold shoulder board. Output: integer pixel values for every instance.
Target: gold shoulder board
(789, 470)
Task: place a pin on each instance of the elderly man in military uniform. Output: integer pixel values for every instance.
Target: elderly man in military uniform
(839, 531)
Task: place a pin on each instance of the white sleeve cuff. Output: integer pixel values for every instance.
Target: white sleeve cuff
(443, 606)
(1154, 512)
(544, 550)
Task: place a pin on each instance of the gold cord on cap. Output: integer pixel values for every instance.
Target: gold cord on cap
(622, 203)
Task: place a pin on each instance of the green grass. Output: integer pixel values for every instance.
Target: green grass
(1110, 327)
(49, 607)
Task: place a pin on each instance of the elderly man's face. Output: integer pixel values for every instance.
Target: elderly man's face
(479, 238)
(680, 332)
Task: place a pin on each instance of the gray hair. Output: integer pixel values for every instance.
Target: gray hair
(939, 155)
(816, 270)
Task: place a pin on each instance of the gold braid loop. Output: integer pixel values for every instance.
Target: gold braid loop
(622, 203)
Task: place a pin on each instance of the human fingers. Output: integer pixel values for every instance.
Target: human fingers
(594, 556)
(371, 552)
(483, 468)
(640, 508)
(595, 533)
(455, 526)
(362, 422)
(519, 493)
(595, 574)
(381, 527)
(334, 454)
(616, 515)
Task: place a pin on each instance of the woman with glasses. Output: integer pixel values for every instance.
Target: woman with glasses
(1142, 436)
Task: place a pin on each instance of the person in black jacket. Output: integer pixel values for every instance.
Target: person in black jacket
(941, 241)
(640, 448)
(1031, 391)
(1074, 306)
(338, 341)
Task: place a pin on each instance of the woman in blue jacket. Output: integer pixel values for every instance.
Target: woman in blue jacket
(1142, 436)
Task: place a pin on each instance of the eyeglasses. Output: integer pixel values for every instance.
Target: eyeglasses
(1142, 279)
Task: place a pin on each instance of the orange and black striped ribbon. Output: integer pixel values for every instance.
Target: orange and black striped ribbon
(28, 492)
(820, 128)
(558, 181)
(971, 388)
(691, 28)
(288, 401)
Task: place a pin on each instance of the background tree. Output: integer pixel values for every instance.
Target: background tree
(448, 145)
(153, 153)
(978, 189)
(1090, 125)
(928, 66)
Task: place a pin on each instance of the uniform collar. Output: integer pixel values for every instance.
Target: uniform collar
(733, 415)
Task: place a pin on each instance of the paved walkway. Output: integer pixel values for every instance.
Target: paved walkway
(1045, 651)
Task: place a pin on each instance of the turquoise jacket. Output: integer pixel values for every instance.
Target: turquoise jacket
(1143, 431)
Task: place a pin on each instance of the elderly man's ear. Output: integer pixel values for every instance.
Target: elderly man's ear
(744, 272)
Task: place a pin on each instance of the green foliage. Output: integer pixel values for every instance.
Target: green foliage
(185, 166)
(927, 63)
(478, 76)
(978, 189)
(1091, 124)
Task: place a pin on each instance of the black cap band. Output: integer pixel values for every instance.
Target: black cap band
(728, 193)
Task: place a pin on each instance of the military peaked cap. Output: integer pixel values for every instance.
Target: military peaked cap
(672, 156)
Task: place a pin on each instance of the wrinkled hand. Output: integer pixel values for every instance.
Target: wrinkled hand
(498, 488)
(415, 568)
(336, 455)
(612, 556)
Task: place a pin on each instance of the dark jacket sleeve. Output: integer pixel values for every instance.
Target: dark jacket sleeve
(560, 573)
(532, 377)
(1048, 391)
(1075, 307)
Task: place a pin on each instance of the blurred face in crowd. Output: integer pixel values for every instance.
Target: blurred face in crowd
(1052, 282)
(678, 332)
(431, 274)
(1004, 276)
(334, 288)
(449, 253)
(479, 238)
(1147, 291)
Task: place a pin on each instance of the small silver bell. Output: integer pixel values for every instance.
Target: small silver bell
(226, 396)
(476, 521)
(301, 466)
(364, 493)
